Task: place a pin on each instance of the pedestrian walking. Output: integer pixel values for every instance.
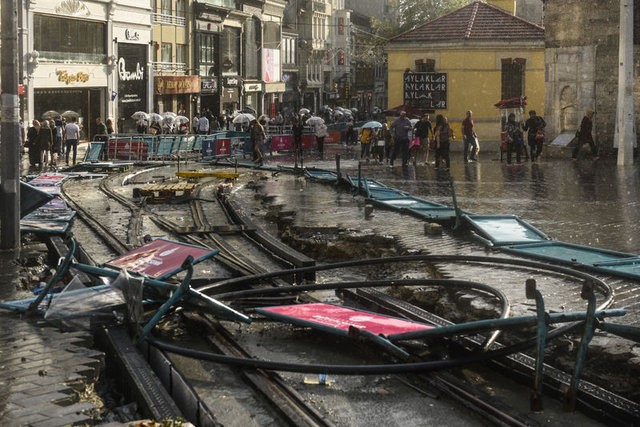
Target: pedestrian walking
(100, 133)
(45, 141)
(32, 144)
(401, 130)
(422, 129)
(534, 126)
(297, 130)
(469, 138)
(203, 125)
(72, 135)
(258, 139)
(366, 139)
(321, 133)
(59, 135)
(515, 139)
(585, 136)
(110, 129)
(443, 134)
(141, 125)
(388, 142)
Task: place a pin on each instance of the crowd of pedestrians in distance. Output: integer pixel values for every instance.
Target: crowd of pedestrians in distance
(400, 140)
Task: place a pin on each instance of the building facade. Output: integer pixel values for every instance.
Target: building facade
(469, 59)
(77, 54)
(581, 56)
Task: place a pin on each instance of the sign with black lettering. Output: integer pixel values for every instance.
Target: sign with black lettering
(427, 91)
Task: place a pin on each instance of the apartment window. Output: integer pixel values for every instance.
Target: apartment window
(181, 53)
(166, 7)
(181, 8)
(426, 65)
(65, 39)
(229, 50)
(513, 77)
(166, 52)
(207, 53)
(252, 49)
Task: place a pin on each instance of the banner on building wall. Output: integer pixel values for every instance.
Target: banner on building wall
(270, 65)
(171, 85)
(427, 91)
(132, 79)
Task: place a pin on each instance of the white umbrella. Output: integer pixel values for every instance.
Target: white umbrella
(338, 113)
(243, 118)
(339, 109)
(154, 117)
(314, 120)
(304, 111)
(168, 119)
(51, 114)
(70, 113)
(371, 125)
(140, 115)
(182, 119)
(169, 114)
(414, 121)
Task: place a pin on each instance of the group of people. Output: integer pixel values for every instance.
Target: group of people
(48, 141)
(407, 141)
(514, 137)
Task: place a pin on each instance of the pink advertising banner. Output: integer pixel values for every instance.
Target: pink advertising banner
(160, 258)
(323, 316)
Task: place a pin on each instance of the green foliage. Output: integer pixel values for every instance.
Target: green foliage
(412, 13)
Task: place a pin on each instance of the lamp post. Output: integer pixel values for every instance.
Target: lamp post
(10, 150)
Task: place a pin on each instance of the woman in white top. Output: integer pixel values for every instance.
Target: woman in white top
(72, 135)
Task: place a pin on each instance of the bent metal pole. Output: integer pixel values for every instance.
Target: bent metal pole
(10, 140)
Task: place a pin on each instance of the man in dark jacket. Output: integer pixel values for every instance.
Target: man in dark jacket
(534, 126)
(585, 136)
(400, 129)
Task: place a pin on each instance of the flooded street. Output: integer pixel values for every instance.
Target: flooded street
(584, 202)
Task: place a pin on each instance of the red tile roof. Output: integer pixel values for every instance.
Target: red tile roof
(477, 21)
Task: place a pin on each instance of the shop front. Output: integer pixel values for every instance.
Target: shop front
(69, 91)
(230, 95)
(209, 96)
(252, 95)
(273, 94)
(173, 93)
(133, 80)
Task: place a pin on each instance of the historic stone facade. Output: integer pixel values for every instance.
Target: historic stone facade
(581, 57)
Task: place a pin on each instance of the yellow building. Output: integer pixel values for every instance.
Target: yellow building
(481, 54)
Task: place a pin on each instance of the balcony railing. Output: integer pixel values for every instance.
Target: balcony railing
(229, 4)
(169, 67)
(160, 18)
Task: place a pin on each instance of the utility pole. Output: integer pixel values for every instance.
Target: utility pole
(625, 120)
(10, 131)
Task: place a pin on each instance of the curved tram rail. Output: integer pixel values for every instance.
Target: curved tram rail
(245, 266)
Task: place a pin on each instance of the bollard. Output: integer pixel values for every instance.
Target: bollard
(368, 210)
(541, 340)
(589, 326)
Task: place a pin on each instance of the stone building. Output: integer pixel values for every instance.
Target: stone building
(581, 57)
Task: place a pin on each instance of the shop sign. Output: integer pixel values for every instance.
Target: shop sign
(252, 87)
(230, 81)
(208, 85)
(425, 90)
(229, 94)
(68, 78)
(169, 85)
(131, 35)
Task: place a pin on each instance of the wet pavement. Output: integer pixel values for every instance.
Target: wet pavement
(589, 202)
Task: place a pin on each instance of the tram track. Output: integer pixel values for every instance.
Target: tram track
(272, 386)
